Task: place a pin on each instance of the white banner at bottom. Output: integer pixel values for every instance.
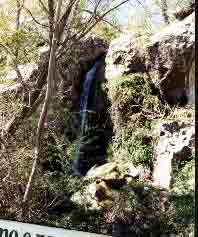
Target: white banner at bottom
(18, 229)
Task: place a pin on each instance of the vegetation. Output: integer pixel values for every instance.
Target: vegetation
(133, 107)
(39, 131)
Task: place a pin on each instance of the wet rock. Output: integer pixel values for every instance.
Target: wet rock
(90, 49)
(91, 151)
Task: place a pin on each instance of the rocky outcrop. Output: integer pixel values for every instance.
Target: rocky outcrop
(107, 178)
(130, 207)
(174, 149)
(26, 71)
(73, 73)
(124, 57)
(166, 57)
(169, 56)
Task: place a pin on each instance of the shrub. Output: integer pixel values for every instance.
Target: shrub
(133, 107)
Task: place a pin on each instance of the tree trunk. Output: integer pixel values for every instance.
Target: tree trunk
(164, 9)
(50, 78)
(26, 111)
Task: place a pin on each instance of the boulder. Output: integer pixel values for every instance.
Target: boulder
(109, 173)
(167, 57)
(25, 70)
(103, 170)
(175, 147)
(124, 57)
(87, 197)
(113, 172)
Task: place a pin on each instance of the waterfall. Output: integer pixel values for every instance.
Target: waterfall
(88, 96)
(87, 107)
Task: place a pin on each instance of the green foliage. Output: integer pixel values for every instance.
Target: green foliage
(24, 43)
(183, 192)
(140, 211)
(105, 31)
(17, 45)
(184, 206)
(135, 146)
(132, 100)
(82, 219)
(6, 81)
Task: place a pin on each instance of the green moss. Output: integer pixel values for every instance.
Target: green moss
(184, 180)
(132, 100)
(135, 146)
(183, 192)
(110, 152)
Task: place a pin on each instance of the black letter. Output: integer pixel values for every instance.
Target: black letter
(27, 235)
(3, 231)
(15, 233)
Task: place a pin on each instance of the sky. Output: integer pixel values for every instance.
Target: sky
(130, 10)
(126, 11)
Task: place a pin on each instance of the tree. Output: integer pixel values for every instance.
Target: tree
(64, 31)
(164, 9)
(71, 30)
(51, 69)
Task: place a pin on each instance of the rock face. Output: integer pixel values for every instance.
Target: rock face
(89, 50)
(167, 58)
(175, 145)
(124, 57)
(25, 70)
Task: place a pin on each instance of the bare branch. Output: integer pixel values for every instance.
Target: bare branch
(34, 19)
(43, 6)
(64, 19)
(50, 78)
(9, 51)
(87, 28)
(51, 20)
(96, 16)
(19, 8)
(101, 18)
(164, 9)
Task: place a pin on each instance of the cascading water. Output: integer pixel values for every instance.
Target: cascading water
(88, 96)
(87, 108)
